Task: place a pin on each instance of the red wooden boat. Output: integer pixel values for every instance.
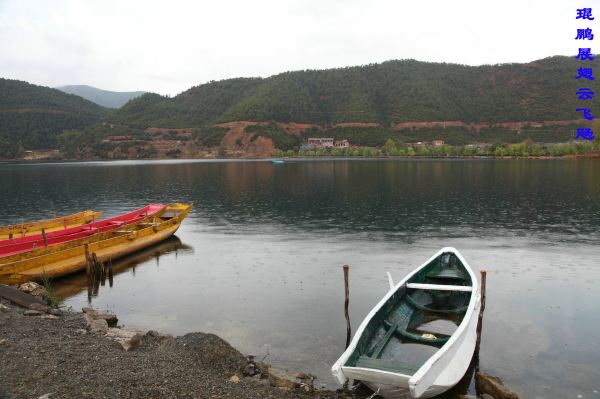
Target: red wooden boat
(23, 244)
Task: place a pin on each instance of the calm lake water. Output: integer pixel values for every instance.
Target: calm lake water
(259, 260)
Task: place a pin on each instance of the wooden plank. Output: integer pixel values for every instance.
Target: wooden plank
(405, 313)
(439, 287)
(18, 297)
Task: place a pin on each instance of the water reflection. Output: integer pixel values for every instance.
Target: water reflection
(269, 243)
(74, 284)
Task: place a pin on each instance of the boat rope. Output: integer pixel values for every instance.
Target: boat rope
(374, 393)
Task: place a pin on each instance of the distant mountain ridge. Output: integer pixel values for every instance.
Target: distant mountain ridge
(105, 98)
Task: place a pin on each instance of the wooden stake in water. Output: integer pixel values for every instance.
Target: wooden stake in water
(346, 303)
(481, 309)
(87, 260)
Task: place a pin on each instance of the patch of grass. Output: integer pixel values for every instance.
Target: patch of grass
(51, 298)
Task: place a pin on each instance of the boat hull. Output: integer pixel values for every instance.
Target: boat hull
(29, 228)
(71, 260)
(396, 386)
(23, 244)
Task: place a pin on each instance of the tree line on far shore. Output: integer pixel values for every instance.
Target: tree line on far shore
(391, 148)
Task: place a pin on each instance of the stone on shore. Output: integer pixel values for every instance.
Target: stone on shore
(32, 312)
(110, 318)
(282, 379)
(99, 326)
(234, 379)
(129, 340)
(39, 307)
(33, 288)
(489, 384)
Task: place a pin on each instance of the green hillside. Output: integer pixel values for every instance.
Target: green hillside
(105, 98)
(31, 117)
(198, 106)
(387, 93)
(392, 92)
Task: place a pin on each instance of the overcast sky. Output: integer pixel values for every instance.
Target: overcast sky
(169, 46)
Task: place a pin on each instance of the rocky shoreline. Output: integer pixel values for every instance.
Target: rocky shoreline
(59, 354)
(52, 353)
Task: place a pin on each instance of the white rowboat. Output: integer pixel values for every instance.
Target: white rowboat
(399, 350)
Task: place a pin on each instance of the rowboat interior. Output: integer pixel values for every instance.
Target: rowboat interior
(417, 320)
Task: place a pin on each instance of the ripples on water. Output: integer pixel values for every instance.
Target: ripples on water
(258, 261)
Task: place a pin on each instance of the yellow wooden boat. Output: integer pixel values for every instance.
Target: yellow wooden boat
(69, 257)
(58, 223)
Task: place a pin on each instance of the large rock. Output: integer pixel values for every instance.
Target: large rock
(129, 340)
(110, 318)
(486, 383)
(99, 326)
(282, 379)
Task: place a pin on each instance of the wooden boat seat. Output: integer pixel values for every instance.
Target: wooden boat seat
(457, 311)
(382, 364)
(439, 287)
(116, 222)
(447, 274)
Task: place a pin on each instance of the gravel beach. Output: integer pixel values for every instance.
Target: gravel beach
(57, 356)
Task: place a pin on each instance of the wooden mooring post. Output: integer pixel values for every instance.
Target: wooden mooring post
(95, 271)
(346, 303)
(481, 309)
(87, 260)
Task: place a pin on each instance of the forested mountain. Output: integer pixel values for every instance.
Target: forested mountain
(386, 93)
(377, 102)
(32, 116)
(198, 106)
(106, 98)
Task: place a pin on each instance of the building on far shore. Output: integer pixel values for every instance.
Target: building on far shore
(321, 142)
(109, 139)
(341, 144)
(438, 143)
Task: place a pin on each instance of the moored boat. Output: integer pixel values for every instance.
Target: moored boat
(69, 257)
(22, 244)
(58, 223)
(277, 161)
(418, 341)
